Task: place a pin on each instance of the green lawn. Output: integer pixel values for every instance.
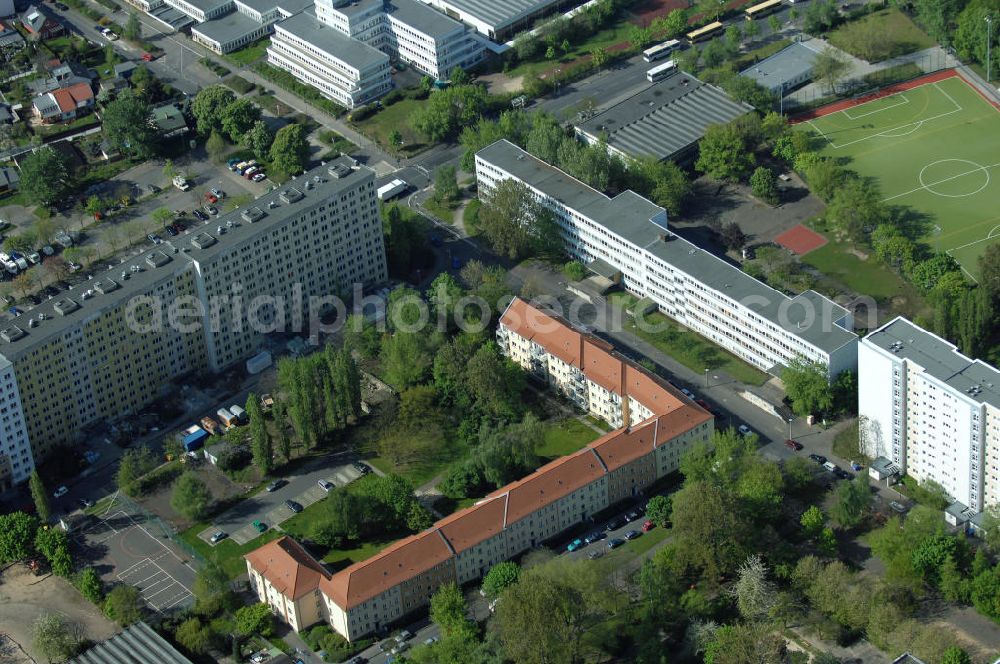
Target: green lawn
(421, 472)
(565, 437)
(444, 212)
(687, 347)
(870, 277)
(249, 54)
(609, 36)
(885, 34)
(380, 126)
(932, 149)
(470, 217)
(227, 553)
(647, 541)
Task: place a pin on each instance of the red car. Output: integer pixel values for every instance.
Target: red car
(793, 445)
(210, 197)
(648, 525)
(148, 57)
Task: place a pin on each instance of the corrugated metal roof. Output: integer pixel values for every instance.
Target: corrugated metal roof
(137, 644)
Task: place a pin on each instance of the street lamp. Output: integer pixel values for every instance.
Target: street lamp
(789, 428)
(706, 378)
(989, 38)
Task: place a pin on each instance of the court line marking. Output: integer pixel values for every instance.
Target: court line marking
(906, 100)
(948, 179)
(147, 598)
(886, 133)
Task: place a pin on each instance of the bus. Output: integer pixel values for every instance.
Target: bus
(762, 9)
(660, 50)
(660, 72)
(705, 32)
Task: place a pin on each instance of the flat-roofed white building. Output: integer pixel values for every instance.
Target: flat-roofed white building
(251, 21)
(931, 411)
(626, 237)
(498, 19)
(345, 70)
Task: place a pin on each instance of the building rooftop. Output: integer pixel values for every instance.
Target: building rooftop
(207, 6)
(307, 27)
(288, 567)
(200, 243)
(630, 216)
(665, 118)
(498, 14)
(227, 28)
(788, 64)
(978, 381)
(289, 7)
(136, 643)
(422, 18)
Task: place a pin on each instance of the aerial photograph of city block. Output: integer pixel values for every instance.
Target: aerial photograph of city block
(500, 331)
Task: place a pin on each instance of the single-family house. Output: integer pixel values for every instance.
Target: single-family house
(40, 24)
(64, 103)
(11, 40)
(170, 121)
(10, 179)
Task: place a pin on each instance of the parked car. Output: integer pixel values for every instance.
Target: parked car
(615, 543)
(326, 485)
(898, 507)
(211, 198)
(232, 163)
(218, 193)
(404, 635)
(258, 177)
(294, 506)
(843, 474)
(793, 445)
(614, 524)
(593, 537)
(34, 257)
(430, 640)
(212, 210)
(259, 526)
(48, 250)
(818, 459)
(688, 393)
(154, 238)
(148, 57)
(218, 537)
(361, 467)
(74, 267)
(14, 311)
(171, 231)
(275, 485)
(648, 525)
(574, 545)
(595, 554)
(60, 492)
(201, 216)
(632, 534)
(745, 430)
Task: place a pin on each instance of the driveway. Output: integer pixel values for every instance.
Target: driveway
(269, 507)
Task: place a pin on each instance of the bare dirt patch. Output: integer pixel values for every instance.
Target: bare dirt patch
(24, 597)
(501, 83)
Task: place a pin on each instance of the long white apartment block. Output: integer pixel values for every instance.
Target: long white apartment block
(345, 70)
(627, 239)
(932, 412)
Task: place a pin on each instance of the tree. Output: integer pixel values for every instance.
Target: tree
(40, 497)
(970, 33)
(813, 520)
(755, 594)
(733, 236)
(600, 57)
(162, 217)
(144, 83)
(122, 605)
(91, 586)
(751, 30)
(56, 637)
(658, 510)
(507, 217)
(209, 107)
(254, 619)
(710, 533)
(194, 636)
(830, 67)
(820, 16)
(723, 154)
(24, 242)
(190, 496)
(807, 385)
(853, 498)
(675, 24)
(927, 273)
(448, 611)
(45, 176)
(445, 185)
(745, 643)
(215, 146)
(500, 577)
(54, 545)
(714, 53)
(774, 23)
(135, 462)
(258, 139)
(290, 150)
(260, 439)
(446, 111)
(238, 118)
(955, 655)
(855, 207)
(344, 514)
(132, 31)
(763, 184)
(17, 536)
(395, 138)
(733, 37)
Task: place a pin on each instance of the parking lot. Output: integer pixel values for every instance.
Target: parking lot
(269, 507)
(125, 547)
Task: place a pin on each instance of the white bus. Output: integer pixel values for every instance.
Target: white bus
(661, 72)
(660, 50)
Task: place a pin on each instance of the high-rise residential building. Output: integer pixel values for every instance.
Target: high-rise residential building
(201, 301)
(932, 412)
(655, 424)
(626, 239)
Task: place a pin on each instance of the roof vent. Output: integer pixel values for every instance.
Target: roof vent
(220, 230)
(291, 195)
(66, 306)
(157, 259)
(105, 286)
(32, 323)
(252, 214)
(12, 334)
(339, 171)
(202, 241)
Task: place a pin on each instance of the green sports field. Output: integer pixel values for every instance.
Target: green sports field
(934, 148)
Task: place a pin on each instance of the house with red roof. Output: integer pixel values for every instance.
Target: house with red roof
(40, 24)
(63, 104)
(656, 425)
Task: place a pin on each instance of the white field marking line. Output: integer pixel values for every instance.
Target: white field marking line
(969, 244)
(905, 100)
(180, 599)
(887, 132)
(162, 604)
(145, 561)
(922, 187)
(166, 574)
(142, 581)
(111, 503)
(829, 140)
(150, 535)
(170, 584)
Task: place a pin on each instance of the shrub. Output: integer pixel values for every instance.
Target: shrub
(574, 271)
(239, 84)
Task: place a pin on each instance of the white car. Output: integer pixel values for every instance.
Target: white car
(34, 257)
(60, 492)
(218, 193)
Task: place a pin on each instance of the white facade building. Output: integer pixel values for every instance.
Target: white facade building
(931, 411)
(251, 21)
(626, 238)
(16, 460)
(345, 70)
